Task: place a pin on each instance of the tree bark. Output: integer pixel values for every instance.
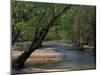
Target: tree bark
(38, 39)
(16, 36)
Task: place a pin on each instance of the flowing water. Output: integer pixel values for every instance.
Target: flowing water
(73, 59)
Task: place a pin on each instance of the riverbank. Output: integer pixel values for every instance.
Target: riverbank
(56, 56)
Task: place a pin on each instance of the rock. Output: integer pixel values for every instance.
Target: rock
(44, 55)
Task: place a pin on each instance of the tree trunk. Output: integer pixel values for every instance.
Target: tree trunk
(16, 36)
(94, 32)
(78, 38)
(38, 39)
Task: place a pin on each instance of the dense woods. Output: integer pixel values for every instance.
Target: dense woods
(40, 22)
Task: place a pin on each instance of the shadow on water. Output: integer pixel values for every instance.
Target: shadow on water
(72, 57)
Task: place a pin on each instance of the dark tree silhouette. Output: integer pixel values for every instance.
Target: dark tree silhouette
(16, 36)
(39, 36)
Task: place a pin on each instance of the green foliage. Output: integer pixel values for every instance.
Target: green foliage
(29, 15)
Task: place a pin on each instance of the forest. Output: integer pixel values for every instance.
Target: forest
(35, 25)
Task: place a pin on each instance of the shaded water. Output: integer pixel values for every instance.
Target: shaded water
(72, 57)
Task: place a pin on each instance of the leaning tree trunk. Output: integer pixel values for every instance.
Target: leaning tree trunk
(16, 36)
(38, 39)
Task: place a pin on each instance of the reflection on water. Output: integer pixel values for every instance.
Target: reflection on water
(72, 57)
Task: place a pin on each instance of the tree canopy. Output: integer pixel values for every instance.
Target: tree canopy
(29, 15)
